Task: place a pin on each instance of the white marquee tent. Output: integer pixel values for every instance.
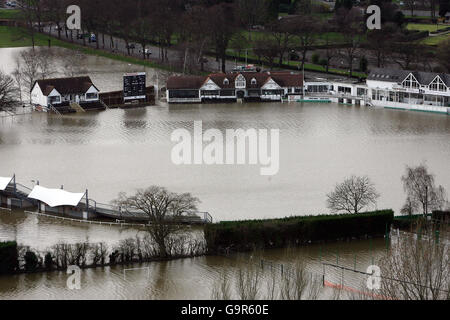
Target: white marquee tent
(4, 181)
(55, 197)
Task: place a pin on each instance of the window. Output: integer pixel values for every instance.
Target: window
(361, 91)
(344, 89)
(272, 92)
(438, 85)
(317, 88)
(55, 99)
(227, 93)
(240, 81)
(91, 96)
(226, 81)
(253, 82)
(410, 82)
(210, 92)
(183, 93)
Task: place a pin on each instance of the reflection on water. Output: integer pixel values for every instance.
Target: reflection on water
(191, 278)
(122, 150)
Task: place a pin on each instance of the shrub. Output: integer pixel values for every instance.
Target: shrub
(9, 258)
(363, 63)
(31, 261)
(323, 62)
(276, 233)
(48, 261)
(315, 58)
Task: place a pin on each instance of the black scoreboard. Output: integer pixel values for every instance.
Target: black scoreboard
(134, 86)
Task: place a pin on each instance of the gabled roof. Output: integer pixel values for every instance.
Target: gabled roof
(66, 85)
(396, 75)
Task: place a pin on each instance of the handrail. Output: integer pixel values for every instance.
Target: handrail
(54, 109)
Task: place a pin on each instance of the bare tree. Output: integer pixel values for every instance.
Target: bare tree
(416, 268)
(222, 287)
(378, 42)
(411, 5)
(164, 210)
(282, 32)
(8, 92)
(27, 9)
(251, 13)
(443, 55)
(294, 282)
(306, 28)
(330, 50)
(350, 23)
(410, 206)
(353, 195)
(266, 49)
(72, 63)
(248, 282)
(27, 69)
(223, 25)
(421, 190)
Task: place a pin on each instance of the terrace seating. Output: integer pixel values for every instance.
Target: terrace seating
(63, 108)
(91, 106)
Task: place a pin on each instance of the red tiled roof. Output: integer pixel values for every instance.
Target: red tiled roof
(284, 79)
(185, 82)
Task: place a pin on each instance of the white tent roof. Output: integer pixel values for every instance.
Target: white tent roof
(4, 183)
(55, 197)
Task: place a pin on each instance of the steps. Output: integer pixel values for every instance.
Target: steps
(75, 106)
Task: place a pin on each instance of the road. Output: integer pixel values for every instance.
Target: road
(173, 55)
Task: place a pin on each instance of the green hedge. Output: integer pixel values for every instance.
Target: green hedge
(291, 231)
(9, 261)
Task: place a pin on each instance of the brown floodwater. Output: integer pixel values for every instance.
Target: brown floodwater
(122, 150)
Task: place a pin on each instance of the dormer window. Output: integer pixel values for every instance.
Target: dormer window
(226, 81)
(253, 81)
(410, 82)
(240, 82)
(437, 84)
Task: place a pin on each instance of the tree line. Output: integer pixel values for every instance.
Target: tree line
(199, 27)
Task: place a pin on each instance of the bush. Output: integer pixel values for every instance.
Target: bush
(9, 258)
(315, 58)
(323, 62)
(48, 261)
(31, 261)
(363, 63)
(277, 233)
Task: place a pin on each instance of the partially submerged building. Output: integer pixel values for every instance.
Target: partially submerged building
(66, 95)
(411, 90)
(261, 86)
(389, 88)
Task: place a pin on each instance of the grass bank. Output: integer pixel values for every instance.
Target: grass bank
(291, 231)
(425, 27)
(9, 14)
(12, 37)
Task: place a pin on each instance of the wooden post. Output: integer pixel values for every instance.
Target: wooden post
(87, 204)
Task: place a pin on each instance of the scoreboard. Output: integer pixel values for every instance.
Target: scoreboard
(134, 86)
